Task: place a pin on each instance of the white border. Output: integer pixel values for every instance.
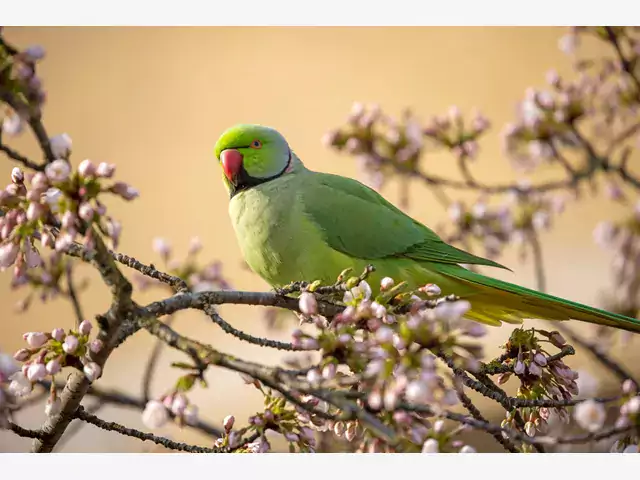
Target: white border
(321, 467)
(322, 12)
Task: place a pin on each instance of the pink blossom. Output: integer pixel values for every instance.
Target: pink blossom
(431, 446)
(58, 334)
(58, 170)
(21, 355)
(35, 339)
(60, 146)
(36, 371)
(155, 414)
(8, 254)
(105, 170)
(308, 304)
(86, 212)
(70, 344)
(85, 327)
(228, 422)
(126, 191)
(179, 404)
(386, 283)
(53, 366)
(12, 125)
(590, 415)
(96, 345)
(86, 168)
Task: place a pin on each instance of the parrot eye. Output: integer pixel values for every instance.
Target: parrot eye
(256, 144)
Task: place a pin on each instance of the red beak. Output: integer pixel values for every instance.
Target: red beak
(231, 164)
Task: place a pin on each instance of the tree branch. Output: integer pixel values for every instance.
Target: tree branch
(83, 415)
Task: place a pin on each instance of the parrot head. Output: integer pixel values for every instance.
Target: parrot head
(250, 155)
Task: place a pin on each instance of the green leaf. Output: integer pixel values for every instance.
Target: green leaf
(185, 383)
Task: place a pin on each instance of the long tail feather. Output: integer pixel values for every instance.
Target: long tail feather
(494, 299)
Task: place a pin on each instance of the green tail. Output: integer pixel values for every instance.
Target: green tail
(494, 301)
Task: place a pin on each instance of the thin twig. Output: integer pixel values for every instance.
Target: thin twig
(263, 342)
(475, 413)
(24, 432)
(152, 362)
(83, 415)
(73, 296)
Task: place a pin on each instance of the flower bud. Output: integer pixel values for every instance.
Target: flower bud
(386, 283)
(8, 254)
(534, 369)
(53, 366)
(58, 334)
(431, 446)
(628, 386)
(329, 371)
(633, 406)
(21, 355)
(384, 334)
(35, 211)
(195, 245)
(228, 422)
(590, 415)
(179, 404)
(60, 146)
(85, 327)
(96, 345)
(126, 191)
(31, 256)
(86, 212)
(35, 339)
(36, 371)
(308, 343)
(155, 414)
(12, 125)
(431, 289)
(518, 369)
(308, 304)
(70, 344)
(17, 176)
(105, 170)
(314, 377)
(190, 414)
(58, 170)
(86, 168)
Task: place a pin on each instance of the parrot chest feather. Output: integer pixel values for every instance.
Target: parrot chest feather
(276, 239)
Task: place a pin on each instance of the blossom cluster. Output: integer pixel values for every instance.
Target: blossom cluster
(198, 278)
(541, 375)
(176, 405)
(373, 137)
(522, 213)
(622, 238)
(381, 348)
(46, 354)
(20, 78)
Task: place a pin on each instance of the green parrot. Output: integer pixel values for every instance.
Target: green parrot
(296, 224)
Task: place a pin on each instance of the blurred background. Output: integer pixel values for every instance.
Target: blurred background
(154, 100)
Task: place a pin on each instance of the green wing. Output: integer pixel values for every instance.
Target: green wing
(357, 221)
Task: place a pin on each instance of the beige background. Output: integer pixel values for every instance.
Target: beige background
(154, 100)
